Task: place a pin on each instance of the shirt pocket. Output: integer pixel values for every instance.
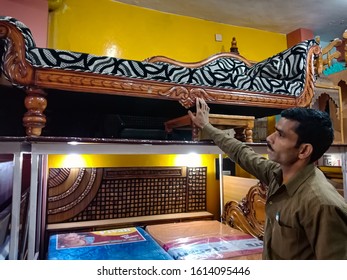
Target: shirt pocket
(285, 241)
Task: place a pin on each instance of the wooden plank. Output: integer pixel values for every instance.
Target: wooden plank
(236, 188)
(134, 221)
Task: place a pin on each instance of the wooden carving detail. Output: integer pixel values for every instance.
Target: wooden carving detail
(327, 55)
(323, 98)
(17, 70)
(15, 66)
(305, 99)
(233, 47)
(143, 172)
(248, 214)
(201, 63)
(34, 119)
(57, 176)
(187, 96)
(91, 194)
(70, 191)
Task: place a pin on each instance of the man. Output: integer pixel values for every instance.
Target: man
(306, 218)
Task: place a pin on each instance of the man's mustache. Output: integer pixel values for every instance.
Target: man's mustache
(269, 145)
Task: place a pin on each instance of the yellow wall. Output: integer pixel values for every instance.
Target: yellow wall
(56, 161)
(106, 27)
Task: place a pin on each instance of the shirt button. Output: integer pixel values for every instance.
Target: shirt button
(270, 202)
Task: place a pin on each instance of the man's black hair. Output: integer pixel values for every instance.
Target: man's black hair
(315, 128)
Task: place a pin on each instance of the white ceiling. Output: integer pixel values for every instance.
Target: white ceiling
(326, 18)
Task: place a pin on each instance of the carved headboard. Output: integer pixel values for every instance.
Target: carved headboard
(248, 214)
(107, 194)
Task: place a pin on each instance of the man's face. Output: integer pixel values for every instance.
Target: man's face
(282, 143)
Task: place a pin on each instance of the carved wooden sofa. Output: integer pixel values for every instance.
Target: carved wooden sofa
(282, 81)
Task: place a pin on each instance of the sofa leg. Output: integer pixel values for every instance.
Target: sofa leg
(34, 119)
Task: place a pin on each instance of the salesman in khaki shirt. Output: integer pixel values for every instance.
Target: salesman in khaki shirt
(306, 218)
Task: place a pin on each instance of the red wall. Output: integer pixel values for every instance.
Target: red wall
(298, 35)
(33, 13)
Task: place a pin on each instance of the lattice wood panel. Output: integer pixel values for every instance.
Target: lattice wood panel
(126, 192)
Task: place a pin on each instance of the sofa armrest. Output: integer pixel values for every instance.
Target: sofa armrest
(23, 29)
(289, 65)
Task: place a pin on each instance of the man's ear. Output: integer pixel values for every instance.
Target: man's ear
(305, 150)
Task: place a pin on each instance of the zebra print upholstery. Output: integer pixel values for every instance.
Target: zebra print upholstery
(281, 74)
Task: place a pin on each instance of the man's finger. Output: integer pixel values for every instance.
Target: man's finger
(198, 102)
(191, 115)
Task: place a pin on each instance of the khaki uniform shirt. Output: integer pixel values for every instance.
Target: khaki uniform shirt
(305, 219)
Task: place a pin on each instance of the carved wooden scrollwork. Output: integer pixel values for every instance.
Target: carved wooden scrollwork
(186, 96)
(15, 67)
(305, 99)
(248, 214)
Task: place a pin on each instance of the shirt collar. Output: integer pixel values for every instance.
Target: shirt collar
(299, 178)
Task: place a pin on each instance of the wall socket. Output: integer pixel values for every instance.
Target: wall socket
(218, 37)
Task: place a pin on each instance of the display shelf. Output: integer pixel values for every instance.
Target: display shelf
(17, 149)
(41, 147)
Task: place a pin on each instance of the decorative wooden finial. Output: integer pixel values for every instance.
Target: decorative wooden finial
(234, 48)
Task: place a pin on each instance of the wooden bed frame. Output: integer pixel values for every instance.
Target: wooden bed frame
(248, 215)
(24, 66)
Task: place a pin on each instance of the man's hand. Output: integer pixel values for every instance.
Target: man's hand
(202, 111)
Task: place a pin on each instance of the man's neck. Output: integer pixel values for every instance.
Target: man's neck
(290, 171)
